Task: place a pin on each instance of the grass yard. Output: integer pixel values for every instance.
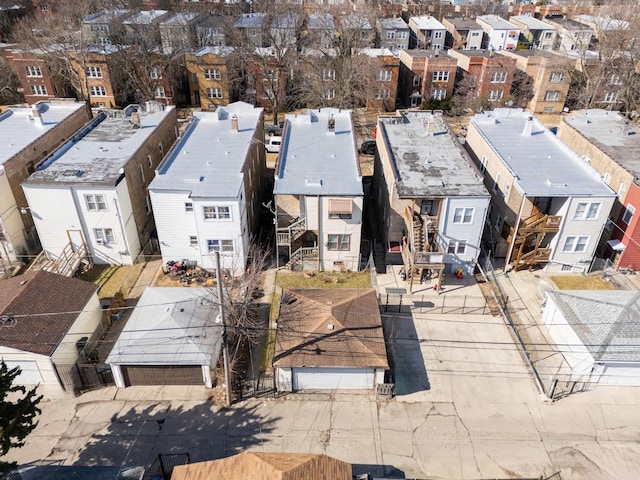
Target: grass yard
(323, 280)
(580, 282)
(113, 278)
(270, 341)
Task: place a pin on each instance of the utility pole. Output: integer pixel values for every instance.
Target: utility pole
(225, 342)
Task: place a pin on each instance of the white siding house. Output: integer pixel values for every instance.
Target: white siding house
(318, 192)
(501, 34)
(91, 193)
(427, 33)
(207, 192)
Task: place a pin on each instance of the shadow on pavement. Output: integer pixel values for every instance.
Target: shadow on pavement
(376, 471)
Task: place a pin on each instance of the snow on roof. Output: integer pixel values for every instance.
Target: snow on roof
(315, 160)
(145, 17)
(208, 159)
(179, 19)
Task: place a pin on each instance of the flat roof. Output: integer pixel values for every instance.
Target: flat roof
(217, 50)
(604, 23)
(207, 161)
(430, 53)
(612, 133)
(315, 161)
(145, 17)
(19, 128)
(428, 163)
(376, 52)
(533, 23)
(464, 23)
(542, 165)
(179, 19)
(427, 22)
(98, 152)
(396, 23)
(568, 24)
(498, 23)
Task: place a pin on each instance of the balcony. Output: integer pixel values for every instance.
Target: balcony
(285, 236)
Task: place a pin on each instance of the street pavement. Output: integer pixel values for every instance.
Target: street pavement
(467, 408)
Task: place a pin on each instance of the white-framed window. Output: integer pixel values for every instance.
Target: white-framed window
(483, 164)
(38, 90)
(98, 91)
(339, 242)
(161, 149)
(440, 76)
(556, 77)
(437, 35)
(437, 46)
(193, 241)
(416, 80)
(587, 211)
(402, 35)
(575, 244)
(104, 235)
(495, 95)
(340, 208)
(328, 74)
(451, 247)
(214, 92)
(552, 96)
(628, 214)
(147, 205)
(188, 207)
(499, 77)
(95, 203)
(610, 97)
(507, 189)
(383, 94)
(498, 224)
(141, 172)
(438, 94)
(606, 178)
(621, 189)
(475, 34)
(222, 246)
(615, 79)
(496, 183)
(149, 161)
(391, 35)
(33, 71)
(212, 73)
(216, 213)
(159, 93)
(330, 93)
(384, 75)
(463, 215)
(461, 248)
(93, 72)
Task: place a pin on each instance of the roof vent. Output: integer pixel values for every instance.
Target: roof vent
(234, 123)
(313, 182)
(135, 119)
(331, 125)
(528, 127)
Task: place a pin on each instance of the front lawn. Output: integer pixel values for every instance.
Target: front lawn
(293, 280)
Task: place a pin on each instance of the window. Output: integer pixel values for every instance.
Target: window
(552, 96)
(193, 241)
(147, 205)
(104, 235)
(339, 242)
(483, 164)
(38, 90)
(95, 203)
(402, 35)
(383, 94)
(621, 189)
(438, 94)
(606, 178)
(574, 244)
(498, 224)
(330, 93)
(628, 214)
(475, 34)
(161, 149)
(188, 207)
(222, 246)
(610, 97)
(391, 35)
(437, 35)
(548, 34)
(212, 73)
(440, 76)
(548, 110)
(159, 93)
(93, 72)
(495, 184)
(463, 215)
(329, 75)
(499, 77)
(587, 211)
(416, 80)
(141, 172)
(556, 77)
(451, 248)
(615, 79)
(33, 71)
(384, 75)
(340, 208)
(495, 95)
(462, 247)
(267, 93)
(214, 93)
(217, 213)
(437, 46)
(98, 91)
(149, 161)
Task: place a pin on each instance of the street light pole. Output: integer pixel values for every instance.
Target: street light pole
(225, 342)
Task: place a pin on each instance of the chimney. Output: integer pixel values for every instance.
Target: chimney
(234, 123)
(135, 119)
(331, 125)
(528, 127)
(35, 113)
(431, 126)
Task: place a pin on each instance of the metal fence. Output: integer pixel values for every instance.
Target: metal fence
(619, 279)
(434, 304)
(80, 377)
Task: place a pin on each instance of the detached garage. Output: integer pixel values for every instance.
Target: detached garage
(598, 332)
(329, 339)
(171, 338)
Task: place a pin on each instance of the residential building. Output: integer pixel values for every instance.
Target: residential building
(572, 36)
(104, 27)
(535, 33)
(178, 32)
(211, 31)
(265, 79)
(50, 322)
(321, 31)
(157, 345)
(251, 31)
(501, 34)
(431, 198)
(90, 195)
(307, 355)
(267, 466)
(383, 85)
(99, 70)
(284, 30)
(424, 75)
(358, 29)
(463, 33)
(27, 136)
(427, 33)
(206, 194)
(549, 207)
(605, 26)
(394, 33)
(491, 75)
(550, 77)
(143, 28)
(610, 143)
(318, 192)
(209, 76)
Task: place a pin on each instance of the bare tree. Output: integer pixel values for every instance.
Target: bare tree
(9, 84)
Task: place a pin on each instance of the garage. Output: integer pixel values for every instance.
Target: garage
(333, 378)
(161, 375)
(30, 374)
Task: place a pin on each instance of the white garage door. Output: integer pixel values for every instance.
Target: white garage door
(30, 374)
(332, 378)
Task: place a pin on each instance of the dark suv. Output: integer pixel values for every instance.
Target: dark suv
(368, 147)
(271, 130)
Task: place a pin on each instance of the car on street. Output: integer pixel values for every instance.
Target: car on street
(272, 144)
(368, 147)
(273, 130)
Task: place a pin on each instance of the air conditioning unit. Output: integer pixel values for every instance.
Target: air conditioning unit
(99, 241)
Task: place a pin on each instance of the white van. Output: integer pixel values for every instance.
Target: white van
(272, 144)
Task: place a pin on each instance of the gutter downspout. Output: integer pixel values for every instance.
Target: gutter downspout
(124, 232)
(515, 233)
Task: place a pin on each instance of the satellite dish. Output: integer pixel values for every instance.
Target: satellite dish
(509, 103)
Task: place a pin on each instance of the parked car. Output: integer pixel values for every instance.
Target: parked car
(271, 130)
(272, 144)
(368, 147)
